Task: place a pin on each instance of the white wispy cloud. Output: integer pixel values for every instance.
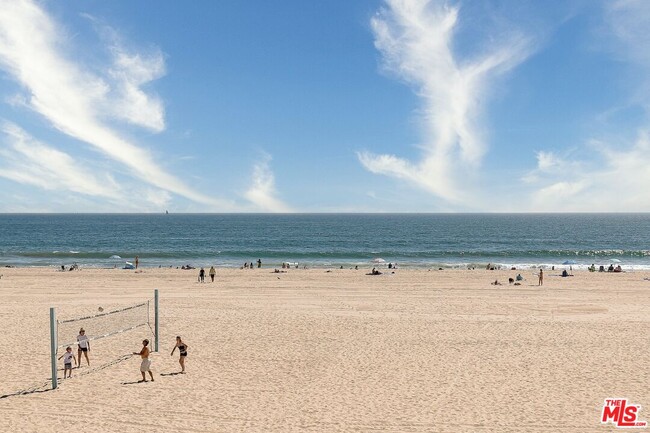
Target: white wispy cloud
(79, 101)
(416, 39)
(610, 173)
(612, 179)
(262, 193)
(28, 161)
(131, 71)
(627, 22)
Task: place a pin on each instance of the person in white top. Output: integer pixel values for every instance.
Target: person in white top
(67, 356)
(84, 347)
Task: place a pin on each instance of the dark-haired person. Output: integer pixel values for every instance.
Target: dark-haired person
(182, 348)
(145, 365)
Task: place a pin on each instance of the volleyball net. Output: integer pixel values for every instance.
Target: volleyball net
(113, 335)
(104, 326)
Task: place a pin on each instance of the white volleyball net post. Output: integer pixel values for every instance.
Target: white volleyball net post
(63, 333)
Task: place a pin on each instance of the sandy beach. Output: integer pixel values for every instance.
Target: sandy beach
(333, 351)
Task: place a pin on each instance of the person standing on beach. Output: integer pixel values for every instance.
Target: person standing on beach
(182, 348)
(212, 273)
(541, 277)
(202, 275)
(145, 365)
(137, 260)
(67, 356)
(84, 347)
(259, 263)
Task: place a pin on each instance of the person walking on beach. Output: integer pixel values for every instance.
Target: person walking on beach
(202, 275)
(259, 263)
(212, 273)
(67, 356)
(137, 260)
(84, 347)
(145, 365)
(541, 277)
(182, 348)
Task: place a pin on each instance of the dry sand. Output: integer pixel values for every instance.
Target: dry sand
(339, 351)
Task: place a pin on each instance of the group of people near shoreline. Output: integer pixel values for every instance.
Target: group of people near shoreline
(611, 268)
(83, 343)
(212, 274)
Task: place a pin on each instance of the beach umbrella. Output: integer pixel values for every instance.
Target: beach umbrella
(379, 260)
(569, 262)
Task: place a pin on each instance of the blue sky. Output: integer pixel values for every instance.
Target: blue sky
(337, 106)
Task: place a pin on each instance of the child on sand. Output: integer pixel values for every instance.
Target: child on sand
(182, 348)
(145, 365)
(68, 357)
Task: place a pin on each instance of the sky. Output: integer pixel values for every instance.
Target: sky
(336, 106)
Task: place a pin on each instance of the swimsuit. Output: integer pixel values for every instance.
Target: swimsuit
(183, 349)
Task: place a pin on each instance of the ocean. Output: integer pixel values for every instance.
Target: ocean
(326, 240)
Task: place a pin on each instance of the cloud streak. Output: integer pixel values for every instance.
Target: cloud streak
(614, 180)
(610, 174)
(262, 193)
(28, 161)
(78, 102)
(416, 39)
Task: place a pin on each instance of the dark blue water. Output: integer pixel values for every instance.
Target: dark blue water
(423, 240)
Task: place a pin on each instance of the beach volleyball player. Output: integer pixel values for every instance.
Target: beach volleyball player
(145, 365)
(83, 346)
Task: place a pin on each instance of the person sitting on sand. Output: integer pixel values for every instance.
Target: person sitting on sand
(182, 348)
(519, 277)
(611, 268)
(145, 365)
(592, 268)
(496, 283)
(618, 268)
(565, 273)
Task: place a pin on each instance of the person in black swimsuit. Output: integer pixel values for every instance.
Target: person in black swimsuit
(182, 348)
